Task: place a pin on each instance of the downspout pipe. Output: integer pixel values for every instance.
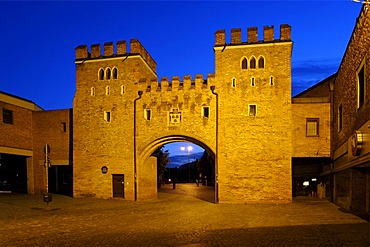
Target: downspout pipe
(332, 88)
(216, 162)
(140, 93)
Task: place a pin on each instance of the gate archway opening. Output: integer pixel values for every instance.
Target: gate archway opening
(191, 170)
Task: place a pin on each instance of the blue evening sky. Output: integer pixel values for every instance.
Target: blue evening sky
(38, 38)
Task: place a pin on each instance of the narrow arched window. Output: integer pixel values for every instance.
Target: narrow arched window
(244, 63)
(122, 89)
(108, 72)
(252, 64)
(107, 90)
(261, 63)
(92, 91)
(101, 74)
(233, 82)
(253, 82)
(115, 73)
(272, 81)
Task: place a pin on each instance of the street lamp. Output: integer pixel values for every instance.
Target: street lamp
(189, 148)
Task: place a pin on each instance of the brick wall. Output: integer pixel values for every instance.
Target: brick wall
(19, 134)
(345, 94)
(48, 128)
(315, 146)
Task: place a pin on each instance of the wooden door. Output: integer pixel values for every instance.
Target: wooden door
(119, 185)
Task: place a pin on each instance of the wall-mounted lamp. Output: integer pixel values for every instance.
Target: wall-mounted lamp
(104, 169)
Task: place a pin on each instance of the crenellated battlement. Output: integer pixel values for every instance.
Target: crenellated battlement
(252, 35)
(136, 48)
(176, 84)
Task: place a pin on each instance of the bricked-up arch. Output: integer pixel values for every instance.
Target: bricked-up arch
(146, 164)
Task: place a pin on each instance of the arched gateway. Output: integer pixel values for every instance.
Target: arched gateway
(236, 114)
(146, 164)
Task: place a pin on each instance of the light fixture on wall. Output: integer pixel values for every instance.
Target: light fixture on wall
(104, 169)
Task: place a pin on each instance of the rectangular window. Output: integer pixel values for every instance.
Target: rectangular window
(205, 111)
(361, 87)
(252, 110)
(147, 114)
(312, 127)
(7, 116)
(107, 116)
(64, 126)
(340, 118)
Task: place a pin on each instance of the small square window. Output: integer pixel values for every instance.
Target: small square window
(107, 116)
(252, 110)
(205, 111)
(312, 127)
(7, 116)
(147, 114)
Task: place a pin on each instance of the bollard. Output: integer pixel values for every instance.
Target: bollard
(47, 198)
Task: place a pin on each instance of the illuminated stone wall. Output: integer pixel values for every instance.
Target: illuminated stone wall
(255, 151)
(254, 157)
(98, 142)
(246, 173)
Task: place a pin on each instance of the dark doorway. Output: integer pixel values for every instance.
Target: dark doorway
(60, 180)
(13, 173)
(119, 185)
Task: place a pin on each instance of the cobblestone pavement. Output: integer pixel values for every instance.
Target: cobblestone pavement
(182, 217)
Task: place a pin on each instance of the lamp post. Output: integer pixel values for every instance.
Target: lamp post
(189, 148)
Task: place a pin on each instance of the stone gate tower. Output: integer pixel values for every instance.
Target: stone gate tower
(241, 115)
(253, 80)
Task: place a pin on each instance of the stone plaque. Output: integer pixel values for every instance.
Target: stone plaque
(175, 117)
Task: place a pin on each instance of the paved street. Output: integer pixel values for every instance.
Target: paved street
(182, 217)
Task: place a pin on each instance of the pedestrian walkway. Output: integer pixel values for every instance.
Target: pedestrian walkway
(175, 219)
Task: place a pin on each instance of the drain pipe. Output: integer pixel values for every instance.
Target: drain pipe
(135, 176)
(216, 162)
